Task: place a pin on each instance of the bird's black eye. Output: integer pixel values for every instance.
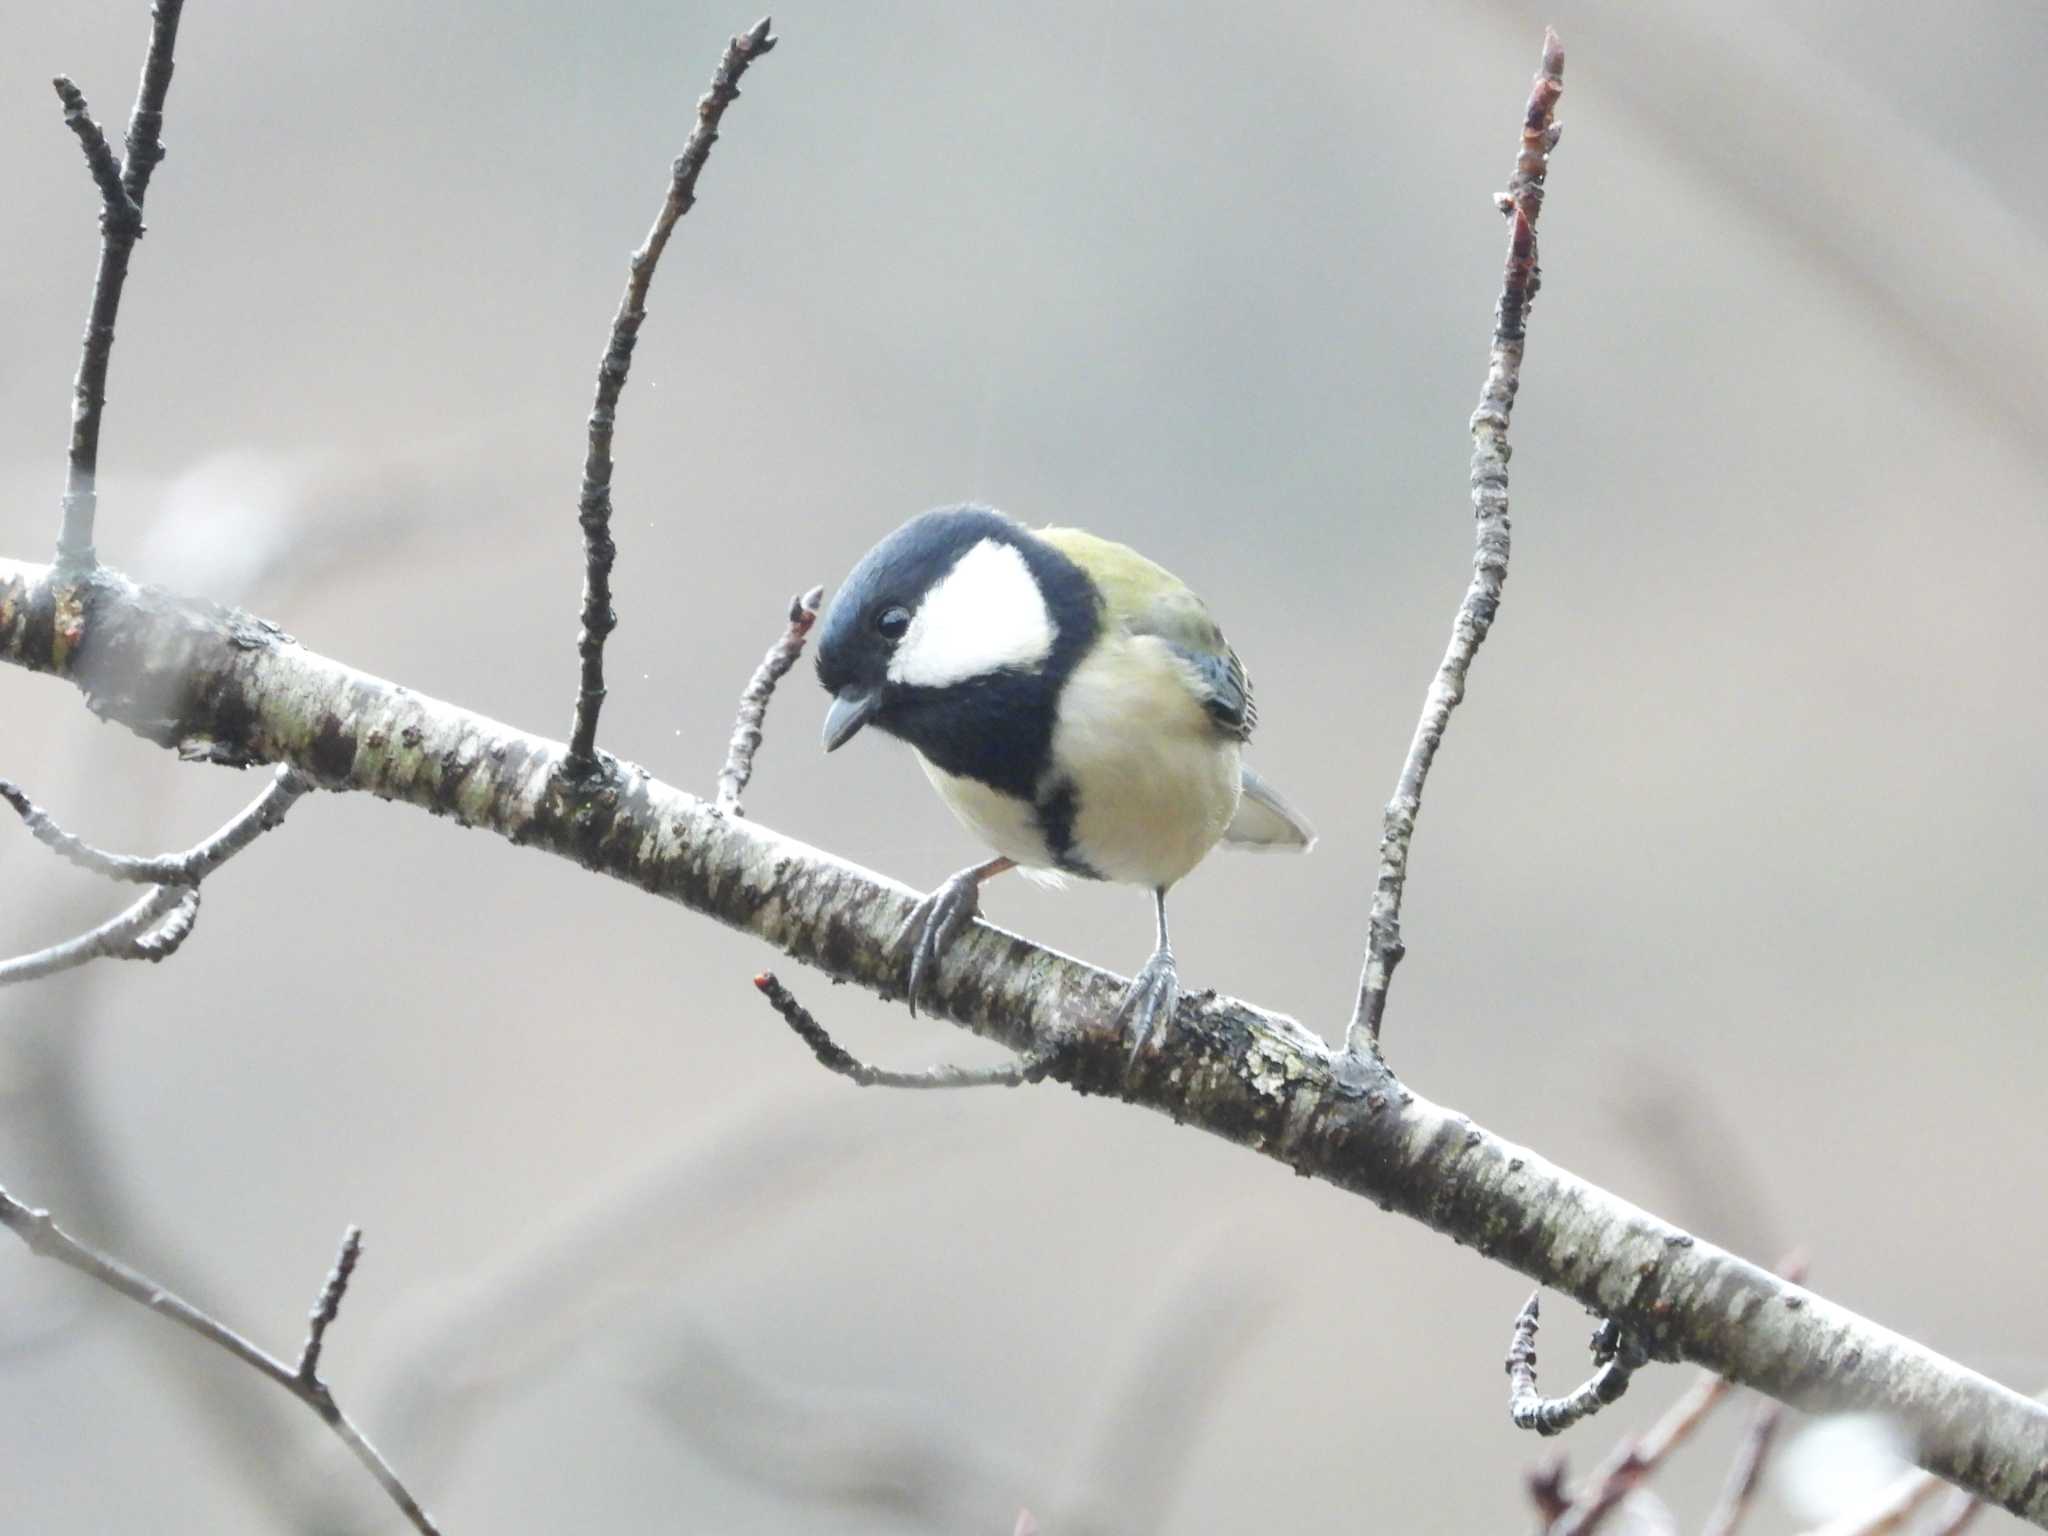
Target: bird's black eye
(892, 622)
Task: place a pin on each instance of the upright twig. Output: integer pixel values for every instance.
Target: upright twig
(835, 1057)
(1522, 203)
(122, 186)
(746, 728)
(594, 509)
(43, 1236)
(153, 927)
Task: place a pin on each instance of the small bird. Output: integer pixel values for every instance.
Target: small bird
(1073, 703)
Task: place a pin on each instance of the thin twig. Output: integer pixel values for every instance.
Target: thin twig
(1618, 1356)
(187, 868)
(150, 929)
(120, 227)
(1636, 1458)
(1957, 1513)
(43, 1236)
(1522, 202)
(594, 509)
(835, 1057)
(1746, 1475)
(746, 729)
(153, 927)
(327, 1306)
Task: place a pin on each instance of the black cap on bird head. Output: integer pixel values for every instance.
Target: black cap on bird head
(958, 604)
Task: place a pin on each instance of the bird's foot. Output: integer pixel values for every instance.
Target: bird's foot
(1148, 1004)
(933, 924)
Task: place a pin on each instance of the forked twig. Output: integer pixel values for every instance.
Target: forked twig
(43, 1236)
(746, 729)
(122, 186)
(836, 1058)
(594, 509)
(153, 927)
(1522, 203)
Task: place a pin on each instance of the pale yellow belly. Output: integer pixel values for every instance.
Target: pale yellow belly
(1155, 783)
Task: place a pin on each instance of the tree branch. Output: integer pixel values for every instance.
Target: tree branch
(44, 1237)
(120, 227)
(594, 509)
(1745, 1476)
(1522, 203)
(226, 688)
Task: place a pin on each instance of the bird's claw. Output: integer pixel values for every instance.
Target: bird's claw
(1149, 1002)
(933, 924)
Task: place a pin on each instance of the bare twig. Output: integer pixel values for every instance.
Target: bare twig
(1747, 1472)
(835, 1057)
(1958, 1512)
(1889, 1512)
(1636, 1459)
(1618, 1356)
(122, 188)
(594, 509)
(1522, 202)
(327, 1306)
(746, 729)
(187, 868)
(43, 1236)
(153, 927)
(1545, 1485)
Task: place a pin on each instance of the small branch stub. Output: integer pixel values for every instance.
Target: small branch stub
(594, 507)
(328, 1306)
(733, 777)
(1522, 203)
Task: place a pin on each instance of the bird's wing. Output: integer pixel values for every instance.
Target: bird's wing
(1148, 599)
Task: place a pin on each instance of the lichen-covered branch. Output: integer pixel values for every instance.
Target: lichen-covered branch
(221, 686)
(1522, 203)
(594, 508)
(733, 777)
(122, 189)
(43, 1236)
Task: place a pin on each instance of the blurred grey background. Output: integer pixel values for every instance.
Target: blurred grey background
(1728, 895)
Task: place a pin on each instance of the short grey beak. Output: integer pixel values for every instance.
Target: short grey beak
(849, 712)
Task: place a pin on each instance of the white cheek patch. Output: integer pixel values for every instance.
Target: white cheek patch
(983, 615)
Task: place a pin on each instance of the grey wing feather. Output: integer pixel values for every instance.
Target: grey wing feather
(1182, 621)
(1226, 689)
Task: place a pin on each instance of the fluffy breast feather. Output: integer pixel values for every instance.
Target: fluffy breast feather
(1155, 783)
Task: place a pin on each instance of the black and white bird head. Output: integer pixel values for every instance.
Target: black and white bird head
(954, 633)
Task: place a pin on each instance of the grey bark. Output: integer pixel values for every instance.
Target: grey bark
(221, 686)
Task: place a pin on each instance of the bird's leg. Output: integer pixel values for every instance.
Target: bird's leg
(937, 920)
(1149, 1002)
